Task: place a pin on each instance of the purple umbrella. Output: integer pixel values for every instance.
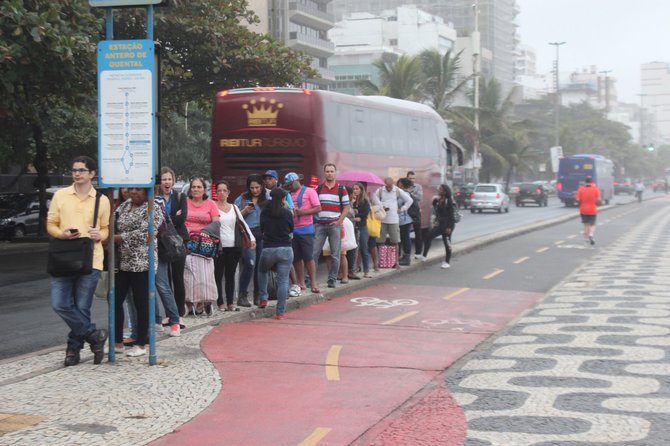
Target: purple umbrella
(353, 176)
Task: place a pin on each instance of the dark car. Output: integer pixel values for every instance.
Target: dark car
(462, 196)
(19, 215)
(532, 193)
(624, 186)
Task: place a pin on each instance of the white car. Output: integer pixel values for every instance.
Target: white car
(489, 196)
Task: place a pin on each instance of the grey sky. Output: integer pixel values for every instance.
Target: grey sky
(616, 35)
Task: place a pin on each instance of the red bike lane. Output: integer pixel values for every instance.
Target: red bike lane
(365, 368)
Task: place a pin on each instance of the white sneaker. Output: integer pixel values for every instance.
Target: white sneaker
(424, 258)
(294, 291)
(136, 351)
(159, 328)
(418, 256)
(175, 331)
(445, 265)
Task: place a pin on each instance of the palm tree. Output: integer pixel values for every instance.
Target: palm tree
(441, 78)
(503, 141)
(400, 77)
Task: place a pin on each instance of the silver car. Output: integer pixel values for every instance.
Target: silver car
(489, 196)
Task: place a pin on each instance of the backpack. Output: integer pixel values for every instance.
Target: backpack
(414, 210)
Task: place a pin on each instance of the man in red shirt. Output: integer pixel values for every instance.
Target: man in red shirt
(588, 196)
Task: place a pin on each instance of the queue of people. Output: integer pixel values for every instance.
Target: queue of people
(270, 236)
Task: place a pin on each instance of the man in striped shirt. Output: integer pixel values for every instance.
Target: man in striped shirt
(334, 209)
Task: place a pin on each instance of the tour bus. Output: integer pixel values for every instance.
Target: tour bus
(299, 130)
(573, 170)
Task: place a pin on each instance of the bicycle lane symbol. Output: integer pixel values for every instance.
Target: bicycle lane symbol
(382, 303)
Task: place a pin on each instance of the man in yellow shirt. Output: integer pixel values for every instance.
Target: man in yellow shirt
(71, 216)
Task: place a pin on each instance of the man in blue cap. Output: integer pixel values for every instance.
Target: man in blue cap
(270, 178)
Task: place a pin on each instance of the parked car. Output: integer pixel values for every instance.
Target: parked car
(547, 185)
(532, 193)
(624, 186)
(462, 196)
(489, 196)
(19, 214)
(658, 185)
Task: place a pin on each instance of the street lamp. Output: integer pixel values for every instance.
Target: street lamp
(558, 99)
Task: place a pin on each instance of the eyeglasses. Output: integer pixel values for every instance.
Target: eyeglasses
(75, 171)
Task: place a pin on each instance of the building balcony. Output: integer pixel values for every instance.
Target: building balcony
(312, 46)
(309, 16)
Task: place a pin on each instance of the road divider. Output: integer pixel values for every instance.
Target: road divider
(315, 437)
(400, 318)
(332, 361)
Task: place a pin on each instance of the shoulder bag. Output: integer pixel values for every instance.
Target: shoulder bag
(171, 246)
(72, 257)
(242, 238)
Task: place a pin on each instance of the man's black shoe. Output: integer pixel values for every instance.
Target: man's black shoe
(97, 340)
(405, 261)
(71, 357)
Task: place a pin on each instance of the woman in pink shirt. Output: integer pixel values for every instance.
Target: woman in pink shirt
(199, 271)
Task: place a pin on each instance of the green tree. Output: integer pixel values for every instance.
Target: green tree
(400, 77)
(205, 48)
(47, 59)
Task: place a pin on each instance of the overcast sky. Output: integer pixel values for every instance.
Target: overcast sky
(617, 35)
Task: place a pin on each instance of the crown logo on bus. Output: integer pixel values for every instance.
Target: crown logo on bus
(262, 113)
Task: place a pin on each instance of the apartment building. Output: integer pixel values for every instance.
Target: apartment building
(497, 25)
(655, 99)
(301, 25)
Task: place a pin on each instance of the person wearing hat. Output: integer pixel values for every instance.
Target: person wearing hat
(307, 204)
(271, 180)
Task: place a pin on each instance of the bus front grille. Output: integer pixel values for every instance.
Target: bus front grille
(262, 161)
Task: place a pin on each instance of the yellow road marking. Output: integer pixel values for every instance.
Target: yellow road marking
(493, 274)
(558, 242)
(542, 249)
(315, 436)
(332, 358)
(456, 293)
(572, 236)
(521, 260)
(399, 318)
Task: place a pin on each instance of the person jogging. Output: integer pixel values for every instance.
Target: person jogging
(588, 196)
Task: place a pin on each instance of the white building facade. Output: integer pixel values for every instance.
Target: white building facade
(361, 38)
(655, 99)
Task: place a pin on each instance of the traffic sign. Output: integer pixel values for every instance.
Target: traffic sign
(126, 113)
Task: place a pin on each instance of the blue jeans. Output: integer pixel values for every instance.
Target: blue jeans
(166, 295)
(71, 299)
(282, 258)
(334, 235)
(363, 240)
(249, 257)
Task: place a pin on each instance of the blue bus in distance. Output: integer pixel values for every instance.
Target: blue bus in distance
(573, 170)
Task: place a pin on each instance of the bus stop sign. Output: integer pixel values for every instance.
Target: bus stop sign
(126, 112)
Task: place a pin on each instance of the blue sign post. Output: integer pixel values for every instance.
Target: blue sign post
(127, 133)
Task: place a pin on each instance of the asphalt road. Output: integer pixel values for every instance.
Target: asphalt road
(28, 324)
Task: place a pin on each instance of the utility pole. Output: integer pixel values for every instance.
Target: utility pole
(607, 90)
(476, 61)
(557, 102)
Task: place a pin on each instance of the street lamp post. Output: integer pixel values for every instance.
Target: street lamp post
(476, 60)
(557, 101)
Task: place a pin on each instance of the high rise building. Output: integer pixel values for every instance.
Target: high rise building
(497, 25)
(301, 25)
(655, 99)
(362, 38)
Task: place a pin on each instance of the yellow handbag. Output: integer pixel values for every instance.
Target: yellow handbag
(374, 225)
